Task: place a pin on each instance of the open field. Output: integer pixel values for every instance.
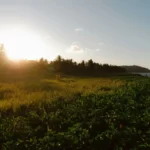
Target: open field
(74, 113)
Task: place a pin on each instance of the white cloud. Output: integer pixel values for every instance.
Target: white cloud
(74, 48)
(88, 49)
(79, 29)
(97, 49)
(100, 43)
(48, 37)
(91, 50)
(75, 43)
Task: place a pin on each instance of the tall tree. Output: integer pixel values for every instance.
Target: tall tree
(3, 58)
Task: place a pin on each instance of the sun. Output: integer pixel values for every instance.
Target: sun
(23, 44)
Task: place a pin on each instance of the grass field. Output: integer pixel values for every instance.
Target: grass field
(39, 113)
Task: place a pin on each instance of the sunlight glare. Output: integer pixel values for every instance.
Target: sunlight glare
(23, 44)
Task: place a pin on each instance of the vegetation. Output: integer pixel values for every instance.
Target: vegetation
(75, 113)
(67, 66)
(59, 65)
(136, 69)
(41, 109)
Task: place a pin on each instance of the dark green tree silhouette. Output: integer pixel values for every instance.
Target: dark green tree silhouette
(68, 66)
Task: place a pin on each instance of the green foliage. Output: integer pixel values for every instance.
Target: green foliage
(91, 114)
(67, 66)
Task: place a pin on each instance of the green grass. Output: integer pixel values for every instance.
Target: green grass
(41, 113)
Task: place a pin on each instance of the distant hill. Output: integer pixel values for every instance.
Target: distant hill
(136, 69)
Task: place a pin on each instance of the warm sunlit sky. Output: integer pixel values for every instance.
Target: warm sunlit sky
(108, 31)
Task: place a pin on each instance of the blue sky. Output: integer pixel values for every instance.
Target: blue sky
(108, 31)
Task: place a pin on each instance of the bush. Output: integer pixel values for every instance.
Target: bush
(116, 120)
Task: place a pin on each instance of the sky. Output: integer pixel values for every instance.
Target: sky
(108, 31)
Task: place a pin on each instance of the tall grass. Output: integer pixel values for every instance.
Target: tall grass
(91, 113)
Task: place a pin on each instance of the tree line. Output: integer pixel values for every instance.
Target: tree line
(68, 66)
(59, 65)
(136, 69)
